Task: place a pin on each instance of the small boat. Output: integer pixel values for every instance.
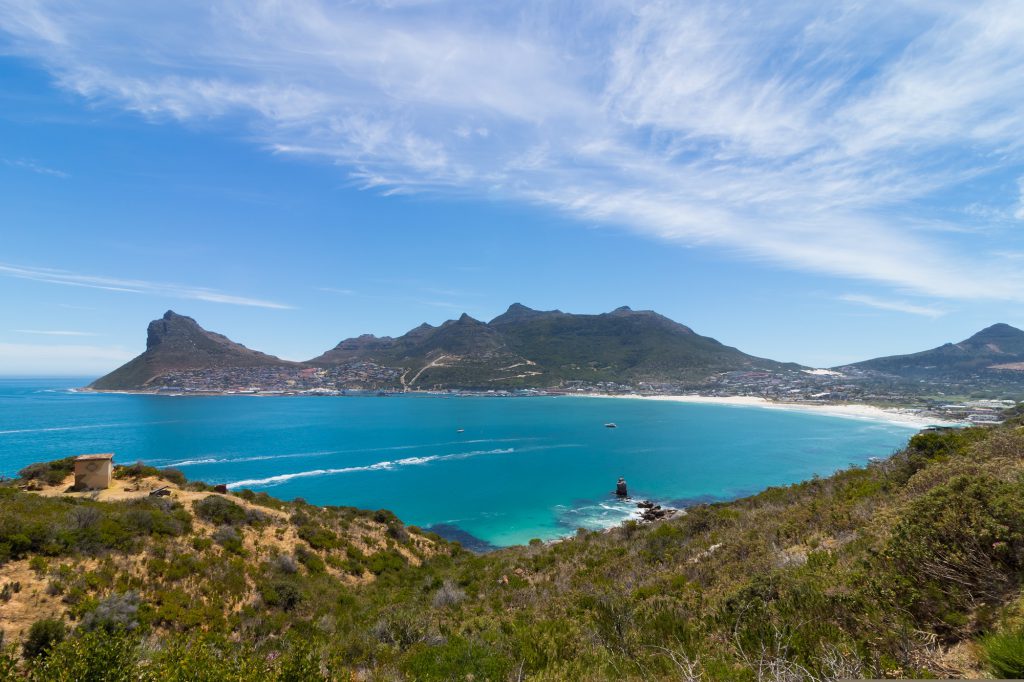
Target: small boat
(610, 425)
(460, 430)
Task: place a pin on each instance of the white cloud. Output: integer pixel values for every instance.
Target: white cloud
(896, 306)
(1019, 212)
(36, 168)
(54, 276)
(48, 332)
(57, 360)
(812, 135)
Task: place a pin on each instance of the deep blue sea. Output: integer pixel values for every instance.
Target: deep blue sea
(521, 468)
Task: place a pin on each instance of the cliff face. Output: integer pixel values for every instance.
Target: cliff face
(175, 342)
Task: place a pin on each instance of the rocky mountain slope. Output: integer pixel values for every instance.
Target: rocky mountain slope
(999, 348)
(526, 347)
(175, 342)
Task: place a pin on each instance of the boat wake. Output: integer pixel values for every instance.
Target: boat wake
(83, 427)
(293, 455)
(387, 465)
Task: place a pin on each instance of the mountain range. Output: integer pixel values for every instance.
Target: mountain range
(524, 348)
(996, 348)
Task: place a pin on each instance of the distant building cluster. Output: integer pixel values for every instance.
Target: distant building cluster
(358, 376)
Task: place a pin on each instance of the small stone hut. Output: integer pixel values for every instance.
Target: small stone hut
(94, 472)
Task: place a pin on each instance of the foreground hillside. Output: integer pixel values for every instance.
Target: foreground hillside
(909, 567)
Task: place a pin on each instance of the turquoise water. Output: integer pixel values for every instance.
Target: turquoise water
(522, 467)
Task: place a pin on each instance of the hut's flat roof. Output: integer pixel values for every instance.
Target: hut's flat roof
(85, 458)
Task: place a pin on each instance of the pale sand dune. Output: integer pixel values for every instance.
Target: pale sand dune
(848, 411)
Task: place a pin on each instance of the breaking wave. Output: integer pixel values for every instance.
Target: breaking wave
(597, 515)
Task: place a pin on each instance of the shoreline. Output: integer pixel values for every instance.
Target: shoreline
(860, 411)
(891, 415)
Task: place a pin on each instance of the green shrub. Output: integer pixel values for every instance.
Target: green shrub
(51, 473)
(87, 656)
(957, 545)
(230, 539)
(1004, 653)
(457, 658)
(319, 537)
(311, 560)
(43, 636)
(219, 511)
(282, 594)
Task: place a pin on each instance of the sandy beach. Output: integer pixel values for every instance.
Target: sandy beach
(848, 411)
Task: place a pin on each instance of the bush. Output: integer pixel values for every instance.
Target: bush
(282, 594)
(1004, 653)
(51, 473)
(116, 612)
(43, 636)
(448, 594)
(219, 511)
(958, 545)
(229, 538)
(95, 655)
(311, 560)
(285, 564)
(318, 537)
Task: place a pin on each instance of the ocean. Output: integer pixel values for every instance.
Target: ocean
(490, 471)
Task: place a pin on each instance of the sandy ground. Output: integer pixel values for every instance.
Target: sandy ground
(848, 411)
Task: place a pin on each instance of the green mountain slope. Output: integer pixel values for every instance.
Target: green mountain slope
(525, 347)
(910, 567)
(999, 348)
(175, 342)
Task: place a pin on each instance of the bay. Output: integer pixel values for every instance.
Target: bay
(520, 468)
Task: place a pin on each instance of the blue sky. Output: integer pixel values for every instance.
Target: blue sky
(812, 183)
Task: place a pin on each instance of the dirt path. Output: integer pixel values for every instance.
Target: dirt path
(432, 363)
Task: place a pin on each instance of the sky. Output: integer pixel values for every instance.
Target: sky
(811, 182)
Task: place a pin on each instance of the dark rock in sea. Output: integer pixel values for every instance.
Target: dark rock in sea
(453, 533)
(620, 488)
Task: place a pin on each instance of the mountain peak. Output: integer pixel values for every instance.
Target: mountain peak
(1000, 330)
(517, 312)
(176, 342)
(994, 346)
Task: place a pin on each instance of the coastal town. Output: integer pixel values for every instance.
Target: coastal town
(807, 387)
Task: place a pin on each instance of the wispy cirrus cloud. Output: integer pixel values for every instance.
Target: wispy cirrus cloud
(134, 286)
(20, 359)
(38, 168)
(831, 137)
(52, 332)
(893, 305)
